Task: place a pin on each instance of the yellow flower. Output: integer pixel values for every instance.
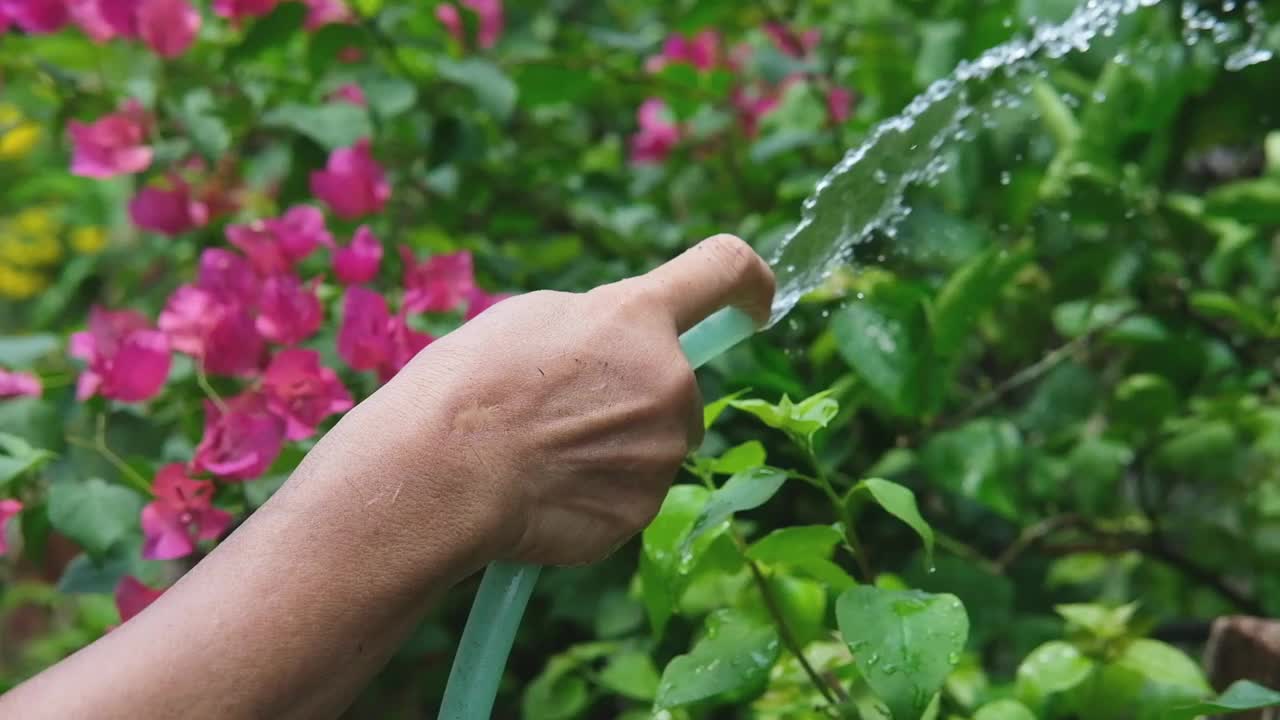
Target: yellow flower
(36, 222)
(88, 240)
(18, 284)
(45, 250)
(18, 136)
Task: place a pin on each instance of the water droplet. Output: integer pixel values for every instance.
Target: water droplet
(1006, 177)
(953, 657)
(880, 176)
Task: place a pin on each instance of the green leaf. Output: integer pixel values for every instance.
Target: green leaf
(1254, 201)
(557, 693)
(747, 456)
(804, 548)
(735, 653)
(800, 420)
(1242, 695)
(744, 491)
(389, 96)
(491, 86)
(94, 514)
(549, 84)
(21, 351)
(1213, 304)
(886, 340)
(1004, 710)
(632, 675)
(900, 502)
(970, 292)
(665, 562)
(271, 31)
(1144, 401)
(1053, 667)
(714, 410)
(332, 125)
(904, 643)
(1101, 621)
(1165, 664)
(18, 457)
(206, 129)
(980, 461)
(327, 43)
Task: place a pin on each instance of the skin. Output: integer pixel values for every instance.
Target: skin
(547, 430)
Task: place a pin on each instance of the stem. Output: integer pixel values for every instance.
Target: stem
(202, 380)
(852, 543)
(131, 477)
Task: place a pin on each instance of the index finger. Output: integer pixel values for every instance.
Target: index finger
(717, 272)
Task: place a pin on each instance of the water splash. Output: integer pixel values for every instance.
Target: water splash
(863, 194)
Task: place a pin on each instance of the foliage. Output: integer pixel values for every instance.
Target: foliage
(981, 473)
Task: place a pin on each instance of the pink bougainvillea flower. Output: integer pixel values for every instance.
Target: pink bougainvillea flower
(798, 45)
(111, 145)
(358, 262)
(242, 437)
(753, 104)
(490, 21)
(405, 343)
(8, 508)
(657, 135)
(168, 27)
(439, 284)
(288, 311)
(449, 16)
(36, 17)
(127, 359)
(326, 12)
(258, 241)
(87, 15)
(701, 51)
(240, 9)
(229, 276)
(839, 104)
(19, 384)
(303, 391)
(300, 231)
(214, 329)
(181, 515)
(169, 210)
(370, 338)
(132, 597)
(349, 93)
(478, 301)
(353, 183)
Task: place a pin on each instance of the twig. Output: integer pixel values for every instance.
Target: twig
(99, 445)
(202, 380)
(1031, 535)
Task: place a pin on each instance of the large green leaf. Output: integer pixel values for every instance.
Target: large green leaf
(20, 351)
(904, 643)
(665, 562)
(979, 461)
(735, 653)
(18, 457)
(631, 674)
(806, 549)
(332, 125)
(1053, 667)
(900, 502)
(1242, 695)
(885, 339)
(1004, 710)
(94, 514)
(969, 293)
(800, 420)
(746, 490)
(492, 88)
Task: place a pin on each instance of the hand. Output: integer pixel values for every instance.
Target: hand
(552, 424)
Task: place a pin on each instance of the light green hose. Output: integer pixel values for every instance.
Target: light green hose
(505, 589)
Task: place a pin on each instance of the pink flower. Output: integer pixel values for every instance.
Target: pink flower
(127, 360)
(439, 284)
(349, 93)
(241, 442)
(258, 241)
(36, 17)
(229, 276)
(657, 136)
(300, 231)
(169, 211)
(478, 301)
(214, 329)
(753, 104)
(111, 145)
(241, 9)
(702, 51)
(371, 339)
(132, 597)
(87, 15)
(490, 21)
(19, 384)
(797, 45)
(289, 312)
(839, 104)
(181, 515)
(8, 508)
(353, 183)
(358, 262)
(326, 12)
(168, 27)
(303, 392)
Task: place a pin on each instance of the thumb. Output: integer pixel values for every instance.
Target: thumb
(717, 272)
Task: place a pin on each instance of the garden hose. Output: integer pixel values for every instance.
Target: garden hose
(505, 589)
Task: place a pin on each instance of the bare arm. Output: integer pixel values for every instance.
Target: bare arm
(547, 431)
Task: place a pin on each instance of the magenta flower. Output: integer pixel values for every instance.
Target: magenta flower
(701, 51)
(240, 9)
(439, 284)
(127, 359)
(19, 384)
(353, 183)
(132, 597)
(36, 17)
(8, 508)
(753, 104)
(490, 21)
(839, 104)
(168, 27)
(449, 16)
(371, 339)
(111, 145)
(170, 211)
(288, 311)
(181, 515)
(216, 330)
(478, 301)
(349, 93)
(358, 262)
(303, 392)
(258, 241)
(798, 45)
(87, 15)
(657, 135)
(300, 231)
(326, 12)
(241, 442)
(229, 276)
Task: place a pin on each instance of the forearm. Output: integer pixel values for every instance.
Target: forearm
(292, 614)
